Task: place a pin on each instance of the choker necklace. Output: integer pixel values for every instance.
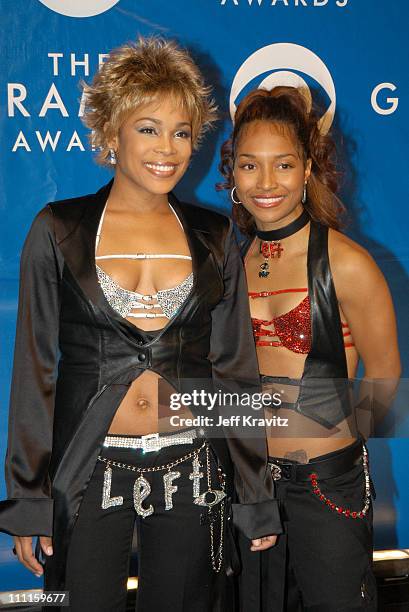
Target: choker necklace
(270, 245)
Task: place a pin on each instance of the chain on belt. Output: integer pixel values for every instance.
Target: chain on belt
(209, 499)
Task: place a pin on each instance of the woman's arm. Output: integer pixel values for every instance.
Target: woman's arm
(234, 359)
(366, 302)
(29, 509)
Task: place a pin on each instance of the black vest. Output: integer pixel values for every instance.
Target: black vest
(324, 386)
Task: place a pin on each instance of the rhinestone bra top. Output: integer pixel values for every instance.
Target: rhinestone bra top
(124, 301)
(293, 328)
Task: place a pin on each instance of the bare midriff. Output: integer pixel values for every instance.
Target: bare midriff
(315, 439)
(140, 412)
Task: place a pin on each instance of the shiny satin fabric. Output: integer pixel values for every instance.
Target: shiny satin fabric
(324, 390)
(75, 358)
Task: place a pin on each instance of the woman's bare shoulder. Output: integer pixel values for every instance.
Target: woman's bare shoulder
(351, 263)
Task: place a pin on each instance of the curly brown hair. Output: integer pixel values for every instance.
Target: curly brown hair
(287, 107)
(138, 73)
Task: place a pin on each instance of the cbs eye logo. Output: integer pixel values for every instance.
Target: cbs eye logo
(79, 8)
(284, 62)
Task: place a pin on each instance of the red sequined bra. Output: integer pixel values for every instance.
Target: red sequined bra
(293, 328)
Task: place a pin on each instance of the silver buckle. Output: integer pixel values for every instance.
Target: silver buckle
(151, 442)
(275, 471)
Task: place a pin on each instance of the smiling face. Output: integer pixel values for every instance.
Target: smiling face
(153, 147)
(270, 173)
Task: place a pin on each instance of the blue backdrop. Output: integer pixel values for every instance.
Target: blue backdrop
(352, 54)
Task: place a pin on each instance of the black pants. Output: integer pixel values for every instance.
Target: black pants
(175, 573)
(323, 561)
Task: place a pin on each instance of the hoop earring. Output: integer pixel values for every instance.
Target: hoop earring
(304, 194)
(232, 196)
(112, 156)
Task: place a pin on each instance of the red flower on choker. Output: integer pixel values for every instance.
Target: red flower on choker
(271, 249)
(270, 245)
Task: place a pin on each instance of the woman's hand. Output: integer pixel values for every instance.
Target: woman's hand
(263, 543)
(24, 552)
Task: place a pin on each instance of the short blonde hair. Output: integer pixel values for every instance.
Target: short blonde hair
(138, 73)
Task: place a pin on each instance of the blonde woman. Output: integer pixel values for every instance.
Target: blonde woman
(121, 291)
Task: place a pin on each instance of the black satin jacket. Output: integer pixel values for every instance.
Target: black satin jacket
(75, 358)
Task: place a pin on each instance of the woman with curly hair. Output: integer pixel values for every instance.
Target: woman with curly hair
(307, 285)
(127, 295)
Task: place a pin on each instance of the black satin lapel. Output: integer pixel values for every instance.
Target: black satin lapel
(198, 246)
(79, 247)
(327, 343)
(200, 254)
(244, 246)
(314, 272)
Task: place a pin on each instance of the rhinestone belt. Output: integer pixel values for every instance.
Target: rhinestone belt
(151, 442)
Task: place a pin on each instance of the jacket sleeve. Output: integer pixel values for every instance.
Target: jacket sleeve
(234, 359)
(29, 508)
